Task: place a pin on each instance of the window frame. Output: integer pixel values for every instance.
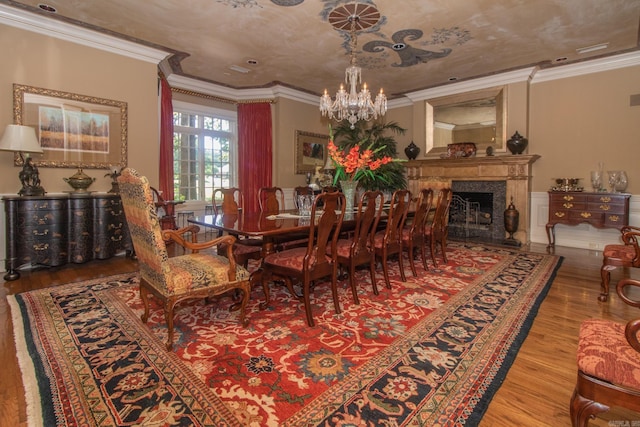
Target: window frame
(203, 110)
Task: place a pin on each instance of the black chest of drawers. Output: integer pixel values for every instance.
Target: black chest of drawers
(58, 229)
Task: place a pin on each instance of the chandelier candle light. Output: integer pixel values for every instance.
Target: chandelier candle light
(353, 105)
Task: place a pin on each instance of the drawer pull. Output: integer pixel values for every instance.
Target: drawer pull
(614, 218)
(585, 214)
(44, 233)
(568, 198)
(559, 214)
(568, 205)
(116, 238)
(605, 207)
(605, 199)
(41, 247)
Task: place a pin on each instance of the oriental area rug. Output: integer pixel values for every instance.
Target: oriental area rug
(431, 351)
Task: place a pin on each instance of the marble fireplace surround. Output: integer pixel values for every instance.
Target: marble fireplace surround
(514, 169)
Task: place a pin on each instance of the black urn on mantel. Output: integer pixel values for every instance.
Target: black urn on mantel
(412, 151)
(517, 143)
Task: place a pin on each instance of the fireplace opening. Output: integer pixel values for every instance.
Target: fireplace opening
(476, 211)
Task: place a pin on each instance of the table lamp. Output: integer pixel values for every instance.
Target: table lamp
(23, 140)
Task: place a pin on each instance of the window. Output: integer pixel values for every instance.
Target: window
(204, 151)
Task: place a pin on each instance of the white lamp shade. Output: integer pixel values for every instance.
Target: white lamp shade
(20, 138)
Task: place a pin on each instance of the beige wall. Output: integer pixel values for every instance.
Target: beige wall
(577, 122)
(45, 62)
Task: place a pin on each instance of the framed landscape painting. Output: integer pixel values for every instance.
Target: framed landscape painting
(73, 130)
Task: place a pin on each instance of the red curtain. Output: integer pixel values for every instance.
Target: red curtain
(166, 140)
(254, 151)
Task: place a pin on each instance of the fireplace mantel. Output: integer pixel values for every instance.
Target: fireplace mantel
(514, 169)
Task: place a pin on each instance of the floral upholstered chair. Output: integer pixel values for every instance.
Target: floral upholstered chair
(625, 255)
(177, 279)
(608, 363)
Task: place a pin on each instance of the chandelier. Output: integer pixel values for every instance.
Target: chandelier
(353, 105)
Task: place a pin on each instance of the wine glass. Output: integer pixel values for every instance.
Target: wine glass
(596, 180)
(614, 179)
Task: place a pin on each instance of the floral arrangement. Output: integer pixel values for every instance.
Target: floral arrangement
(356, 163)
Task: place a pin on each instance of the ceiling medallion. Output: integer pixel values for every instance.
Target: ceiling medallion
(353, 105)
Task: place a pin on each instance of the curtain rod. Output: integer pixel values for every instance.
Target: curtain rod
(220, 99)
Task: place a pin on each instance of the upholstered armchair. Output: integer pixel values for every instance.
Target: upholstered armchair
(608, 362)
(625, 255)
(180, 278)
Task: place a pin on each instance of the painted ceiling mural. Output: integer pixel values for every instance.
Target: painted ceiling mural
(414, 45)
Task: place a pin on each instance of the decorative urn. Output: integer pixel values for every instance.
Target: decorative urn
(412, 151)
(517, 143)
(79, 181)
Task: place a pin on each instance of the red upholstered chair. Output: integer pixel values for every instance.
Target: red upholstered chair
(413, 233)
(180, 278)
(437, 230)
(625, 255)
(270, 199)
(608, 363)
(358, 249)
(389, 241)
(231, 208)
(312, 262)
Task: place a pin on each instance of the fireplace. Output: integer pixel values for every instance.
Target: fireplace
(477, 210)
(482, 173)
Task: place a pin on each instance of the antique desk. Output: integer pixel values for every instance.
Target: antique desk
(601, 210)
(53, 230)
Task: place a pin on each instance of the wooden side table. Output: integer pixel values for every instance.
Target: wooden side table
(601, 210)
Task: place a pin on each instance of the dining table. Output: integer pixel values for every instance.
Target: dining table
(269, 228)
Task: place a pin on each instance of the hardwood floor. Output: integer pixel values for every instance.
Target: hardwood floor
(535, 392)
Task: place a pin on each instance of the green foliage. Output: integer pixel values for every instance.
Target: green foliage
(388, 177)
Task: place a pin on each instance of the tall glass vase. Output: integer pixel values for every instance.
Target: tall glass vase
(349, 190)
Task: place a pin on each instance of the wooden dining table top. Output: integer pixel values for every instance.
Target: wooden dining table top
(260, 224)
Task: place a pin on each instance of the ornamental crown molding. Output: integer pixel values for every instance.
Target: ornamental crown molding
(28, 21)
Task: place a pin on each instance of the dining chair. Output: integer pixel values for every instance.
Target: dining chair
(315, 261)
(608, 359)
(413, 233)
(231, 207)
(301, 191)
(164, 210)
(174, 280)
(358, 249)
(437, 230)
(625, 255)
(388, 241)
(270, 199)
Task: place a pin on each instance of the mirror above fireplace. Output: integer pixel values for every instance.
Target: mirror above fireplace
(479, 117)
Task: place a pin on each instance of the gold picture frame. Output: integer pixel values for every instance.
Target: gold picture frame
(311, 151)
(75, 131)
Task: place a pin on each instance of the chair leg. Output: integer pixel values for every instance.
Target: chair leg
(412, 263)
(169, 306)
(145, 301)
(443, 246)
(385, 270)
(423, 255)
(245, 288)
(582, 410)
(372, 273)
(352, 283)
(334, 289)
(307, 303)
(432, 246)
(401, 265)
(605, 274)
(258, 276)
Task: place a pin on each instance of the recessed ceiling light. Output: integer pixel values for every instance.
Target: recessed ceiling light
(47, 8)
(239, 69)
(252, 61)
(561, 59)
(453, 79)
(588, 49)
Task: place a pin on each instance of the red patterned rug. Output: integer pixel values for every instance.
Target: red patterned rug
(431, 351)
